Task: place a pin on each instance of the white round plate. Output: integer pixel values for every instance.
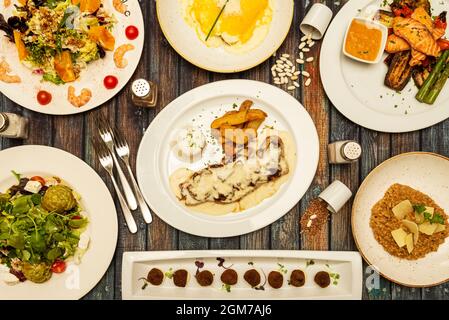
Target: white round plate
(156, 160)
(426, 172)
(24, 93)
(357, 89)
(77, 280)
(184, 39)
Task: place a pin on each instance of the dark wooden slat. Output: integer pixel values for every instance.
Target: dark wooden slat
(341, 235)
(314, 100)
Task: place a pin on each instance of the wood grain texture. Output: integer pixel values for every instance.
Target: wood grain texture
(176, 76)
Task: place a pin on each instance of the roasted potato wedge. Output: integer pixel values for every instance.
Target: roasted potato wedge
(255, 114)
(233, 117)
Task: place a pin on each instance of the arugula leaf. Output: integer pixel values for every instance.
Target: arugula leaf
(437, 219)
(17, 241)
(17, 175)
(52, 78)
(419, 208)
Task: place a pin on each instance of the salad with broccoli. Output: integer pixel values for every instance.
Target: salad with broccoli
(42, 225)
(59, 38)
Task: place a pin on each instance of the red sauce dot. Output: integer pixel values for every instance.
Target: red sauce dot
(43, 97)
(132, 32)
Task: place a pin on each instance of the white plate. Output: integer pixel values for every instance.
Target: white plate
(357, 90)
(78, 280)
(185, 41)
(348, 265)
(24, 93)
(426, 172)
(156, 161)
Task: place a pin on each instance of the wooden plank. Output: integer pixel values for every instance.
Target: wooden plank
(341, 233)
(315, 101)
(435, 139)
(376, 149)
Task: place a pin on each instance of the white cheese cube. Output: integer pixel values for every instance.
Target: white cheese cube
(33, 186)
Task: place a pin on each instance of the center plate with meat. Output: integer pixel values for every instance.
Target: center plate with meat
(228, 158)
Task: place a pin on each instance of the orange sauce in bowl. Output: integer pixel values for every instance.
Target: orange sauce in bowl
(363, 41)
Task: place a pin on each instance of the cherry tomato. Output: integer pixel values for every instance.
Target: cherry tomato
(58, 266)
(132, 32)
(444, 44)
(76, 218)
(40, 179)
(404, 11)
(110, 82)
(43, 97)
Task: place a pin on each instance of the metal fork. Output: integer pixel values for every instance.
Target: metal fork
(105, 157)
(107, 135)
(122, 148)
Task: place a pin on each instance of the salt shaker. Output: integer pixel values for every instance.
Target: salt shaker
(13, 126)
(144, 93)
(341, 152)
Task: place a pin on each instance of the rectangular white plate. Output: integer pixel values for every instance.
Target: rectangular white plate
(348, 265)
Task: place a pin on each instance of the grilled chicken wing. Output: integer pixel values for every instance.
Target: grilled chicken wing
(417, 35)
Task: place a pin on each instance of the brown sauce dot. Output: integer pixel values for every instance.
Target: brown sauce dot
(155, 277)
(180, 278)
(275, 279)
(323, 279)
(229, 277)
(205, 278)
(297, 278)
(252, 276)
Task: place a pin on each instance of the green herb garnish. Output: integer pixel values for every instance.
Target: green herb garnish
(216, 20)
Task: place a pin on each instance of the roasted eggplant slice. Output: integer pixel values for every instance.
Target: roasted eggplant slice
(420, 75)
(412, 4)
(399, 72)
(385, 18)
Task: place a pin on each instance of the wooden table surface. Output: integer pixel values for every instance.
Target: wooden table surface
(175, 76)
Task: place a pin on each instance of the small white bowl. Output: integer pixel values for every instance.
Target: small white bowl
(376, 25)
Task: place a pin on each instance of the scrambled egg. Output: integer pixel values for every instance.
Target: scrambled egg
(242, 25)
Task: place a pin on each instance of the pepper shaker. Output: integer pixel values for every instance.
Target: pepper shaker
(341, 152)
(144, 93)
(13, 126)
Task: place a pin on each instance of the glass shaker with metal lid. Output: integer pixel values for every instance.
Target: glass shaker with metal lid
(144, 93)
(13, 126)
(341, 152)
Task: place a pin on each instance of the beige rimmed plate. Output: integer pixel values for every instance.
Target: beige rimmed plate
(96, 200)
(184, 39)
(25, 92)
(357, 89)
(426, 172)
